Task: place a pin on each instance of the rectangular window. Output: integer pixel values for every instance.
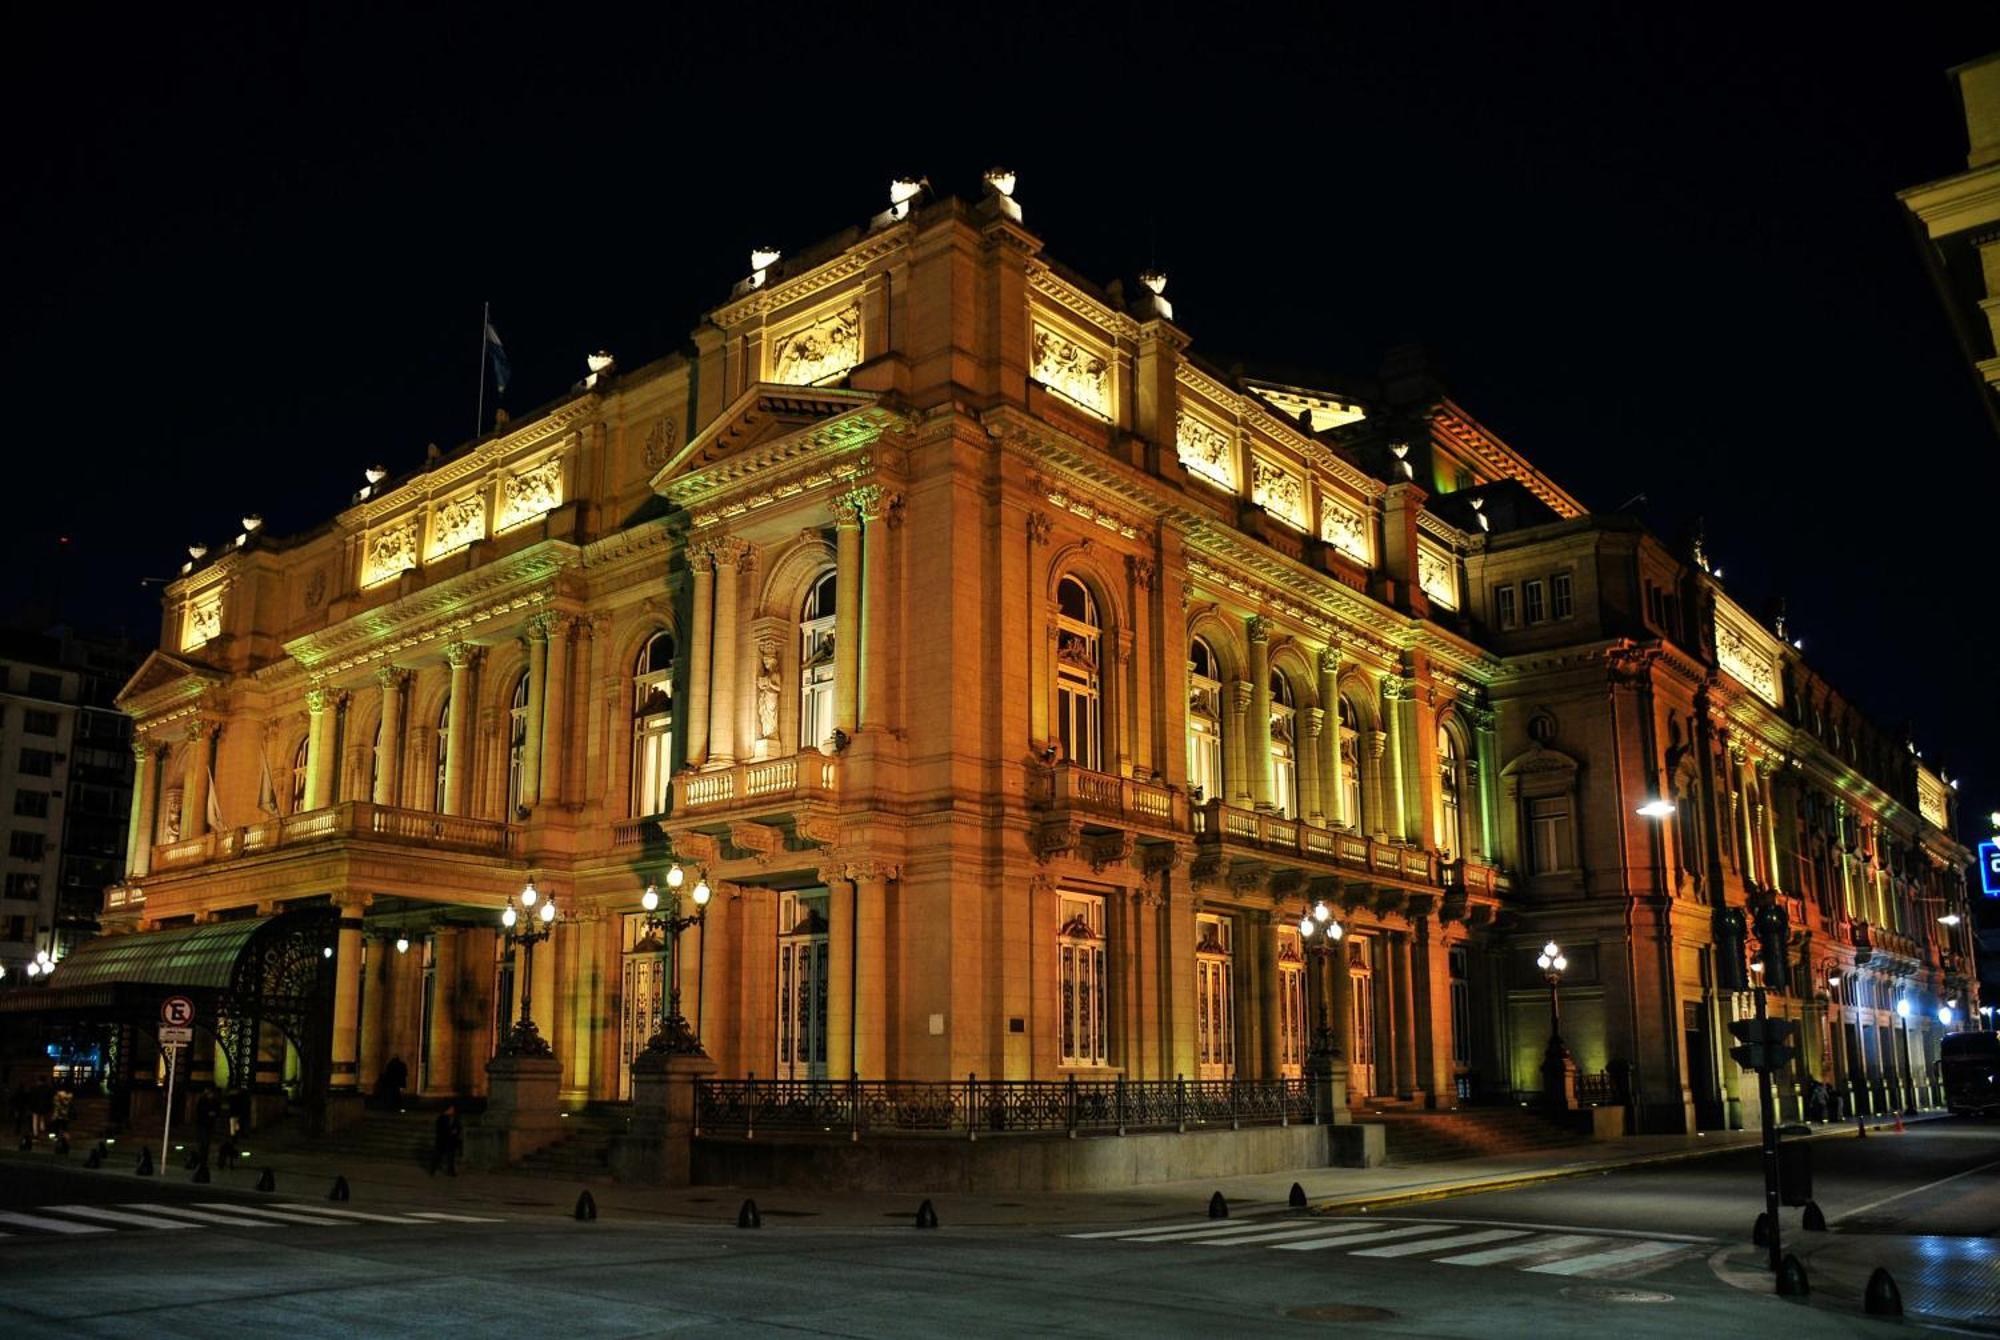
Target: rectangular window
(1548, 834)
(37, 763)
(1562, 603)
(36, 721)
(1081, 975)
(27, 846)
(24, 884)
(1534, 602)
(1505, 613)
(34, 804)
(1461, 1010)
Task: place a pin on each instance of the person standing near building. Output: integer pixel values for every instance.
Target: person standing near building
(206, 1109)
(444, 1141)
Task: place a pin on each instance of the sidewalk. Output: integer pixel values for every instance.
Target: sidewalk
(307, 1174)
(1941, 1279)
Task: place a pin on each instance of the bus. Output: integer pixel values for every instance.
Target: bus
(1971, 1064)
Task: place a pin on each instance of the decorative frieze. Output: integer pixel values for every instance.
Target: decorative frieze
(1344, 526)
(1206, 450)
(1437, 575)
(527, 494)
(1755, 667)
(1278, 490)
(390, 551)
(457, 523)
(1067, 367)
(203, 622)
(821, 350)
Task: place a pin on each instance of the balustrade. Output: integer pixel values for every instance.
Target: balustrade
(353, 819)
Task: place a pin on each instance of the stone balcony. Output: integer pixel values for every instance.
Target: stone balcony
(352, 821)
(757, 808)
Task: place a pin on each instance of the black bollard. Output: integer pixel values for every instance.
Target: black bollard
(1815, 1220)
(926, 1216)
(201, 1171)
(1218, 1208)
(747, 1217)
(268, 1182)
(1792, 1278)
(1298, 1197)
(62, 1144)
(1883, 1298)
(27, 1144)
(586, 1207)
(145, 1168)
(339, 1191)
(1861, 1127)
(1760, 1235)
(95, 1159)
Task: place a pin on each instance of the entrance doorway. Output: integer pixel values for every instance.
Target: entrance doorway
(1708, 1114)
(1361, 1037)
(1215, 999)
(802, 986)
(644, 999)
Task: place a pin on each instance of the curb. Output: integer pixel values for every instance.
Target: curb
(1509, 1181)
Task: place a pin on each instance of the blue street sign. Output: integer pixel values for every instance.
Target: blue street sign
(1989, 868)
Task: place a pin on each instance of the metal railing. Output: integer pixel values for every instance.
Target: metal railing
(975, 1107)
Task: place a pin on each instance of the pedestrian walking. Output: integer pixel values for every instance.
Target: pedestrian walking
(1816, 1101)
(41, 1104)
(390, 1087)
(59, 1109)
(206, 1109)
(445, 1139)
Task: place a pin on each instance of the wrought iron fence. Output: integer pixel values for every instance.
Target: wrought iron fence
(975, 1107)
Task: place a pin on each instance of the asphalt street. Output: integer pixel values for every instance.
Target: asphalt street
(112, 1254)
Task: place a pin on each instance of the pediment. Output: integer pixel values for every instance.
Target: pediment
(159, 672)
(765, 416)
(1540, 760)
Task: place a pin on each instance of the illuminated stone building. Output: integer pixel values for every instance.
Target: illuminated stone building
(1017, 680)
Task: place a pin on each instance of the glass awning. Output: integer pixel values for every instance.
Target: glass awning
(189, 957)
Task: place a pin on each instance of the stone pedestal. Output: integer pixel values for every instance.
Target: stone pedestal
(659, 1147)
(1559, 1077)
(522, 1113)
(1328, 1077)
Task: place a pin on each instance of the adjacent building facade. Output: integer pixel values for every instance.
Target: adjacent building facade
(1017, 681)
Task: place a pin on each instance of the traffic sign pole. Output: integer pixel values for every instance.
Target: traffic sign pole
(1766, 1096)
(173, 1053)
(176, 1031)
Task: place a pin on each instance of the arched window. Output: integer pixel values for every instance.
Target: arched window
(517, 744)
(1204, 722)
(1350, 766)
(443, 752)
(653, 725)
(816, 662)
(1079, 698)
(1081, 1027)
(1284, 747)
(299, 777)
(1451, 790)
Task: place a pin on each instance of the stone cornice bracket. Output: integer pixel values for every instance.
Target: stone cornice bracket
(701, 849)
(1040, 527)
(461, 654)
(873, 870)
(762, 841)
(1111, 849)
(1421, 905)
(1285, 883)
(1161, 858)
(1389, 902)
(1052, 837)
(1206, 868)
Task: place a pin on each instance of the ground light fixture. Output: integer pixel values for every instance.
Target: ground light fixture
(1659, 807)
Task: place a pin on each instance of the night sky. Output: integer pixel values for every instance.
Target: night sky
(1658, 251)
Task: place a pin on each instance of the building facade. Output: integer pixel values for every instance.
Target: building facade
(1017, 681)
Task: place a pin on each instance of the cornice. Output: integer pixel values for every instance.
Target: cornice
(816, 280)
(1044, 281)
(449, 474)
(1955, 203)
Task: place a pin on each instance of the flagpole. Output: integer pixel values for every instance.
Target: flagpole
(479, 414)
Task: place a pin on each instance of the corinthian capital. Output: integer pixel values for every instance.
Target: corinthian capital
(391, 677)
(859, 504)
(1329, 659)
(461, 654)
(318, 699)
(1259, 628)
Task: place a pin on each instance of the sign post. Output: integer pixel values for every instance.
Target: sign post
(1766, 1046)
(176, 1031)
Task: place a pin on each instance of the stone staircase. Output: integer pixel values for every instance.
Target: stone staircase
(396, 1137)
(584, 1151)
(1418, 1136)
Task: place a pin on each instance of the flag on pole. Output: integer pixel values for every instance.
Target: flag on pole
(267, 792)
(214, 809)
(498, 353)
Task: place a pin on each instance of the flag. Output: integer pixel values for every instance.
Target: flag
(498, 353)
(214, 809)
(267, 793)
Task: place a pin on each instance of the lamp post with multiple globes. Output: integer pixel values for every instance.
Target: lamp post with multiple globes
(675, 1037)
(1558, 1066)
(527, 925)
(1320, 937)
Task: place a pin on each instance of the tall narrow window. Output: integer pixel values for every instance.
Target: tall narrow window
(1291, 1005)
(517, 743)
(299, 776)
(1214, 998)
(1204, 722)
(374, 762)
(652, 725)
(443, 753)
(816, 662)
(1080, 973)
(1350, 766)
(1079, 660)
(1505, 612)
(1451, 783)
(1534, 601)
(1562, 600)
(1548, 834)
(1284, 747)
(1461, 1008)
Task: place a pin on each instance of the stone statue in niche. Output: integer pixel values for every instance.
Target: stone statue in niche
(767, 693)
(170, 821)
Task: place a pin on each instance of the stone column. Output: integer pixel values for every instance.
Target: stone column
(1436, 1074)
(1404, 1018)
(1257, 746)
(458, 742)
(140, 826)
(701, 562)
(1141, 664)
(194, 784)
(538, 680)
(555, 709)
(1309, 726)
(347, 994)
(374, 1001)
(871, 969)
(1333, 793)
(1396, 770)
(839, 973)
(1486, 781)
(1376, 818)
(1235, 747)
(319, 751)
(442, 1045)
(729, 557)
(1270, 1002)
(389, 752)
(876, 650)
(542, 1000)
(846, 615)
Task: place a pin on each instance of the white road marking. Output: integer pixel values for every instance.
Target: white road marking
(200, 1216)
(1215, 1227)
(1617, 1256)
(1434, 1244)
(352, 1214)
(284, 1216)
(117, 1216)
(455, 1218)
(1130, 1229)
(1284, 1235)
(1320, 1243)
(49, 1225)
(1863, 1209)
(1535, 1247)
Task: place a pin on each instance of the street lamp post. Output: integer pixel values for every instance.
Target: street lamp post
(675, 1038)
(527, 926)
(1558, 1066)
(1319, 938)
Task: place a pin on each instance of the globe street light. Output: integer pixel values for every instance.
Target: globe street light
(528, 926)
(675, 1037)
(1558, 1067)
(1319, 935)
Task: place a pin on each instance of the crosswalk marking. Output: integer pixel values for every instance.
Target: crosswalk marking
(1206, 1225)
(200, 1216)
(49, 1225)
(353, 1214)
(1273, 1235)
(1320, 1244)
(284, 1216)
(456, 1218)
(1617, 1256)
(1432, 1244)
(1202, 1231)
(118, 1216)
(1538, 1247)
